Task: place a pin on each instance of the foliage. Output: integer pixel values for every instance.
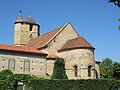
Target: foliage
(107, 62)
(116, 70)
(116, 2)
(106, 68)
(60, 84)
(5, 74)
(110, 70)
(59, 70)
(11, 83)
(89, 84)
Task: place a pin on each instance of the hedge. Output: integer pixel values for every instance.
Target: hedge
(44, 84)
(97, 84)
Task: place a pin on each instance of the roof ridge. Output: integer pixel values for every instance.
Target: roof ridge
(42, 36)
(58, 32)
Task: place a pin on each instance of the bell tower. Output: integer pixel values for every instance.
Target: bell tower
(24, 31)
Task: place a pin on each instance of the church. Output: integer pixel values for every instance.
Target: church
(35, 54)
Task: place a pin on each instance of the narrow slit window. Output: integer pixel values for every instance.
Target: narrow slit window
(89, 70)
(31, 26)
(76, 71)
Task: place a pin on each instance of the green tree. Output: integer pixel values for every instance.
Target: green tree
(116, 70)
(107, 62)
(5, 74)
(116, 2)
(106, 68)
(59, 70)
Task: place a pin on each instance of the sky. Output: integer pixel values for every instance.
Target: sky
(95, 20)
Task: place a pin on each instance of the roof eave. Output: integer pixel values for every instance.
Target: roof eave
(24, 52)
(67, 49)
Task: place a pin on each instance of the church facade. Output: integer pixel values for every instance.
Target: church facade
(35, 54)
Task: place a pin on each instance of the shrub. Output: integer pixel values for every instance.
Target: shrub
(5, 74)
(97, 84)
(59, 70)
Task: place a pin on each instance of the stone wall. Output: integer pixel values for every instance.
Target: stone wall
(81, 58)
(97, 67)
(23, 34)
(65, 35)
(37, 63)
(50, 65)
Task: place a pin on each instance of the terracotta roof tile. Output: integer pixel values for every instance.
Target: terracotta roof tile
(42, 40)
(78, 42)
(49, 56)
(20, 49)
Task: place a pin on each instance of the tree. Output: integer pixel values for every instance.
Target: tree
(59, 70)
(5, 74)
(116, 70)
(116, 2)
(107, 62)
(106, 68)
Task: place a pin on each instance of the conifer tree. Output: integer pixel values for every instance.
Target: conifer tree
(59, 70)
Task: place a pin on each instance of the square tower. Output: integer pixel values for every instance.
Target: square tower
(24, 31)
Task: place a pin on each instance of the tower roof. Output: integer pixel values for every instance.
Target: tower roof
(30, 20)
(19, 19)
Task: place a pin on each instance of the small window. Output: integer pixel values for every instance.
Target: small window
(76, 71)
(89, 70)
(11, 64)
(31, 26)
(26, 65)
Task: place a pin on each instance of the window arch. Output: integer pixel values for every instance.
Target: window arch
(89, 70)
(76, 71)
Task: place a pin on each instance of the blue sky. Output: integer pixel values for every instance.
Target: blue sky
(95, 20)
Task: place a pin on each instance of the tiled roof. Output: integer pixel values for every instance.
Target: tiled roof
(78, 42)
(20, 49)
(51, 56)
(43, 40)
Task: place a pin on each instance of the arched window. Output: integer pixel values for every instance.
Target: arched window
(89, 70)
(76, 71)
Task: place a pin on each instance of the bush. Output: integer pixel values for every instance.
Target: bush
(59, 70)
(60, 84)
(5, 74)
(97, 84)
(11, 83)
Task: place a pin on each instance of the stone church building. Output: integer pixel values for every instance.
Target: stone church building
(35, 54)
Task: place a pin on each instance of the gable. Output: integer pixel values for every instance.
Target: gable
(43, 40)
